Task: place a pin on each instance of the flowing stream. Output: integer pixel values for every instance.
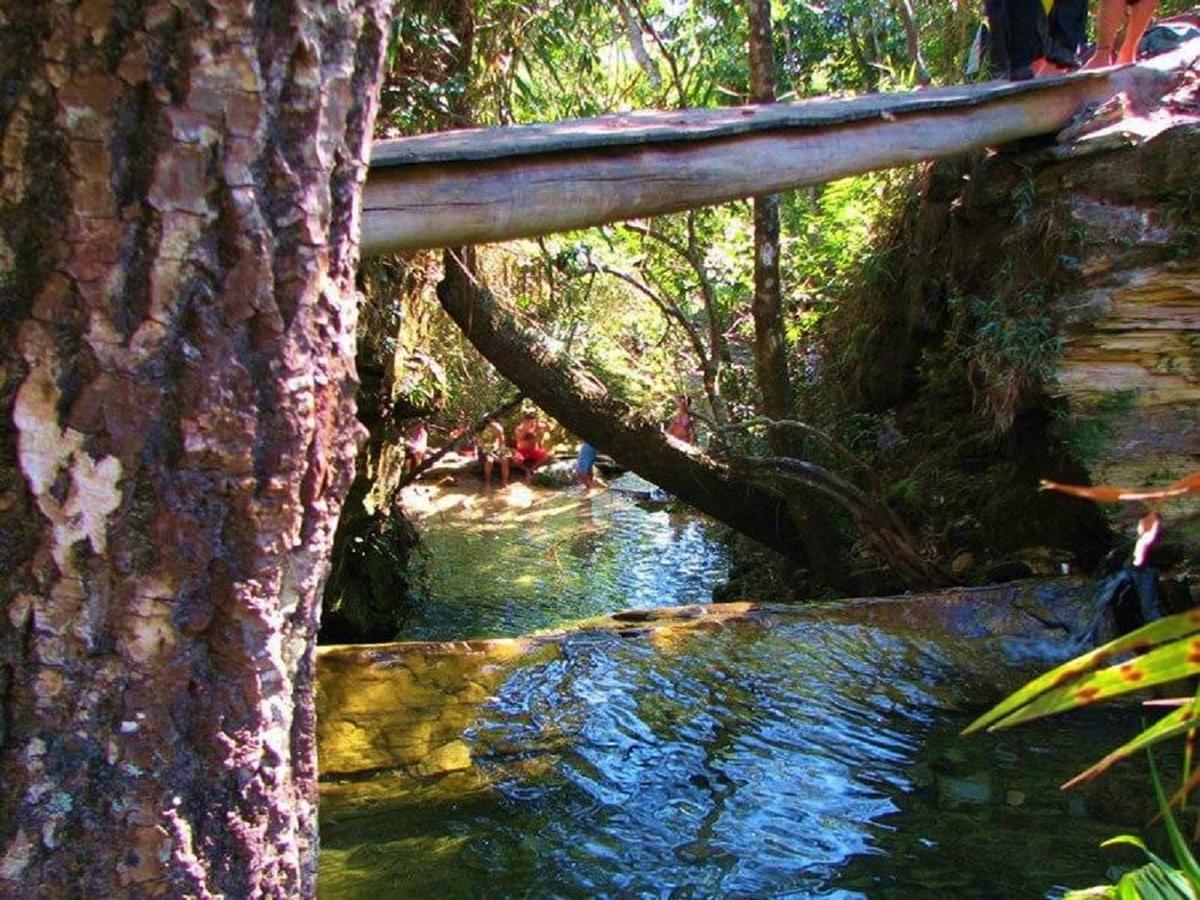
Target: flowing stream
(529, 559)
(785, 752)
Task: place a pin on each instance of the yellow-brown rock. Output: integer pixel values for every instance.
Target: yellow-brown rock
(1132, 319)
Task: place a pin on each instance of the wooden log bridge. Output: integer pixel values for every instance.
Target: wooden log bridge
(480, 185)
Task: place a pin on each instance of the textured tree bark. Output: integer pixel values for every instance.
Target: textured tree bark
(770, 348)
(179, 212)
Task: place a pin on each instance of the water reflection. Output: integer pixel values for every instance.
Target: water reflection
(803, 758)
(533, 559)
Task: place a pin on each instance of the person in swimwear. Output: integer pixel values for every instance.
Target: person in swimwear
(681, 427)
(492, 446)
(527, 436)
(585, 466)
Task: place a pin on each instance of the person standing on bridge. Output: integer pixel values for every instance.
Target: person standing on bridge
(1109, 18)
(1037, 40)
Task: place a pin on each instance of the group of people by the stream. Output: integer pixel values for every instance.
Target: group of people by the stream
(490, 447)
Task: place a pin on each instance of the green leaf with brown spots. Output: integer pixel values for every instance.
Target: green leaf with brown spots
(1070, 674)
(1178, 722)
(1170, 662)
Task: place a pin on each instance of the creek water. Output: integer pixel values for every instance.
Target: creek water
(527, 559)
(782, 755)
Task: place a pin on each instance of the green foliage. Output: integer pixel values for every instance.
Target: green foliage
(422, 85)
(378, 577)
(1008, 350)
(1023, 197)
(1158, 879)
(1183, 211)
(833, 240)
(1168, 650)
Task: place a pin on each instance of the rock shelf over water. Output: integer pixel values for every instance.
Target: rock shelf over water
(405, 706)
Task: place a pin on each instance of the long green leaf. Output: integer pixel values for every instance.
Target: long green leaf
(1179, 844)
(1179, 798)
(1168, 629)
(1189, 747)
(1179, 721)
(1169, 662)
(1134, 841)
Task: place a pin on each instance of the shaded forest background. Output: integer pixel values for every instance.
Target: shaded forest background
(917, 359)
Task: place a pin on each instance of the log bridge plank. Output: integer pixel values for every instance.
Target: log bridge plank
(479, 185)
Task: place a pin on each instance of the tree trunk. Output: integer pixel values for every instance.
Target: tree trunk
(179, 216)
(770, 344)
(497, 184)
(912, 38)
(770, 348)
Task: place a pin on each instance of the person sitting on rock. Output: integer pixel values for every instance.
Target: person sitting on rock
(492, 446)
(527, 436)
(416, 443)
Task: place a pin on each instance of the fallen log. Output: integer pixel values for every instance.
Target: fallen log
(481, 185)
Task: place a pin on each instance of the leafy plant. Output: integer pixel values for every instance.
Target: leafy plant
(1008, 349)
(1158, 879)
(1087, 431)
(1167, 650)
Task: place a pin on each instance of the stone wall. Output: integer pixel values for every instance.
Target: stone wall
(1131, 368)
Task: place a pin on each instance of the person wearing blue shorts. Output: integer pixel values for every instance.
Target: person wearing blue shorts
(585, 465)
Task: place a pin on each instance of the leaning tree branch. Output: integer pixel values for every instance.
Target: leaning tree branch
(671, 311)
(752, 496)
(668, 55)
(881, 527)
(765, 422)
(718, 351)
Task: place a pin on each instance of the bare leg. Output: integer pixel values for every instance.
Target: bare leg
(504, 471)
(1109, 18)
(487, 474)
(1140, 15)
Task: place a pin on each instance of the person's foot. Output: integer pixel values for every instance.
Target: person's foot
(1100, 58)
(1044, 68)
(1061, 56)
